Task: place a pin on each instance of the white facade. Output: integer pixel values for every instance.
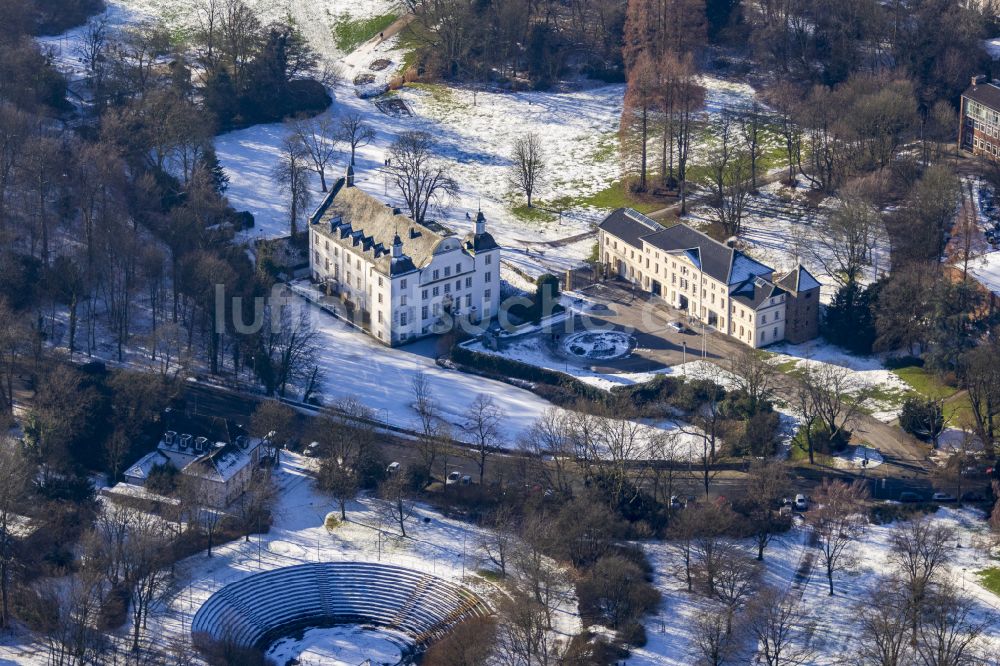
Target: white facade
(410, 280)
(713, 283)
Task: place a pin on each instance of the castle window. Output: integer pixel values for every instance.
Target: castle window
(402, 283)
(489, 259)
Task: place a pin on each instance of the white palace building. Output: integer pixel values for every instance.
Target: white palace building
(711, 281)
(404, 277)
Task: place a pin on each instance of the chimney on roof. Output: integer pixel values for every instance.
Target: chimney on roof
(976, 80)
(397, 247)
(349, 176)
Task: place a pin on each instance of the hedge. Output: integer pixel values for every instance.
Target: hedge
(505, 367)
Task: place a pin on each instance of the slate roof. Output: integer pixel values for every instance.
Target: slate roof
(629, 225)
(798, 280)
(754, 292)
(223, 462)
(143, 466)
(354, 219)
(984, 93)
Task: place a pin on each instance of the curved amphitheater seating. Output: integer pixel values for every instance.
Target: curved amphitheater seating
(255, 611)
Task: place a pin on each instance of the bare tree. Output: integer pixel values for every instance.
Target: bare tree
(523, 637)
(729, 180)
(16, 474)
(550, 439)
(845, 246)
(753, 128)
(883, 626)
(754, 375)
(292, 172)
(767, 482)
(397, 506)
(714, 644)
(355, 132)
(255, 503)
(835, 396)
(318, 135)
(711, 546)
(482, 425)
(420, 179)
(951, 630)
(340, 481)
(499, 541)
(837, 519)
(433, 429)
(527, 164)
(920, 549)
(683, 530)
(775, 621)
(144, 568)
(273, 421)
(736, 580)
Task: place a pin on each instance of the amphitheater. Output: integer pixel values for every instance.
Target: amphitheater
(263, 608)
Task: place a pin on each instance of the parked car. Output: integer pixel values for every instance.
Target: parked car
(453, 478)
(311, 450)
(677, 326)
(942, 497)
(392, 468)
(466, 480)
(801, 503)
(676, 502)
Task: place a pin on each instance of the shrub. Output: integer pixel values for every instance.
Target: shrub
(922, 418)
(633, 633)
(883, 514)
(615, 592)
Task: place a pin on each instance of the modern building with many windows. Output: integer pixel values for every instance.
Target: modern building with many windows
(979, 127)
(405, 278)
(711, 281)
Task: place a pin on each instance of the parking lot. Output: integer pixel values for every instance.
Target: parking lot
(613, 305)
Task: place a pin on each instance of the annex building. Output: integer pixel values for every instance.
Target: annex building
(711, 281)
(979, 125)
(405, 278)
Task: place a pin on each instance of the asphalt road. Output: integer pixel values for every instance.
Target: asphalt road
(884, 482)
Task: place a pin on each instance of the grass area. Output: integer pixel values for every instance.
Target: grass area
(349, 33)
(798, 453)
(789, 367)
(957, 408)
(925, 383)
(490, 575)
(412, 39)
(613, 196)
(990, 578)
(533, 214)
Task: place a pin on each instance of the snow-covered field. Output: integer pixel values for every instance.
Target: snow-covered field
(670, 631)
(867, 373)
(443, 547)
(353, 365)
(337, 646)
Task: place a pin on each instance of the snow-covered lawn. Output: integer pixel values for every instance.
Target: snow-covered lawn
(670, 631)
(435, 544)
(986, 270)
(353, 365)
(868, 373)
(338, 646)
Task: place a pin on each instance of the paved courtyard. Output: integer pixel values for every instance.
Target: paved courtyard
(612, 306)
